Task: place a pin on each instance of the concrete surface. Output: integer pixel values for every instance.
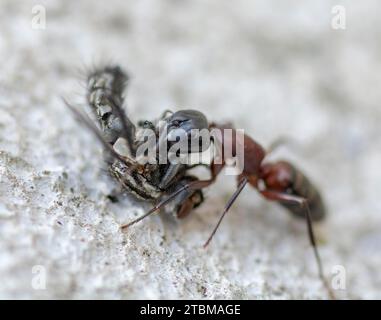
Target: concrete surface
(274, 68)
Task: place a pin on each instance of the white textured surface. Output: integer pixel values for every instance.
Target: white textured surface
(272, 67)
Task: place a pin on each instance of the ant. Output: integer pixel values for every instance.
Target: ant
(280, 181)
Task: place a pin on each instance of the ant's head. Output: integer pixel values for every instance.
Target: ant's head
(186, 127)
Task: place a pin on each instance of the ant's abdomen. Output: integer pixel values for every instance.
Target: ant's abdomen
(301, 186)
(285, 178)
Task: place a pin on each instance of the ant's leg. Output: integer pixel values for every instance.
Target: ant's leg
(187, 199)
(240, 187)
(190, 203)
(105, 96)
(288, 198)
(172, 171)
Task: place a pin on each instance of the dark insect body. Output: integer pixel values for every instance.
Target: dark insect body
(171, 184)
(120, 137)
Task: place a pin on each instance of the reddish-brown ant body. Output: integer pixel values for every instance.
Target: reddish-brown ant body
(279, 181)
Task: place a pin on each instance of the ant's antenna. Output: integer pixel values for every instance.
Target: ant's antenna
(155, 208)
(190, 186)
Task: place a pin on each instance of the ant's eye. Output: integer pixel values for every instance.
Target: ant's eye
(176, 123)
